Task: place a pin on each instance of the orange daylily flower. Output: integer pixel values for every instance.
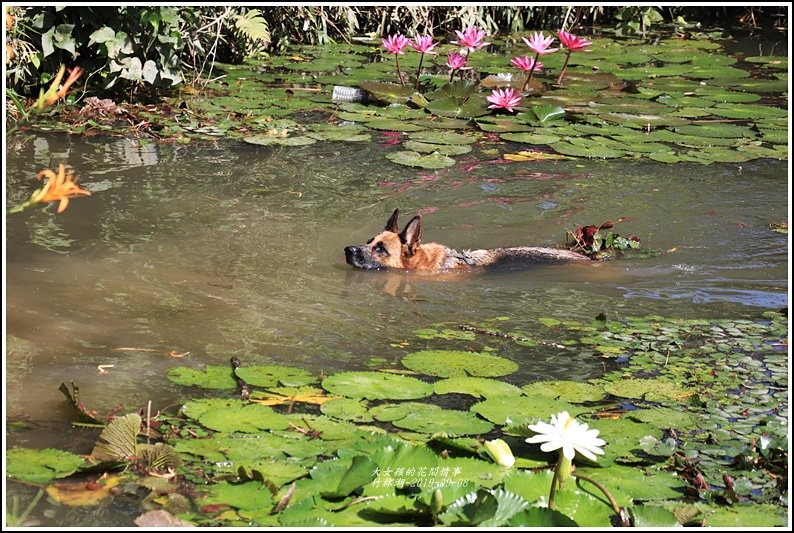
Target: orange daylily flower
(59, 187)
(56, 91)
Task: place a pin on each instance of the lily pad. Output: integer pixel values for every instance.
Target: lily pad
(455, 363)
(376, 386)
(500, 409)
(531, 138)
(439, 137)
(41, 466)
(444, 421)
(390, 412)
(391, 93)
(267, 140)
(477, 387)
(592, 149)
(443, 149)
(415, 159)
(213, 377)
(392, 124)
(570, 391)
(243, 418)
(273, 375)
(649, 389)
(347, 409)
(452, 107)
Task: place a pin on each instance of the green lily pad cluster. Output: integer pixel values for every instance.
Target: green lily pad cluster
(694, 414)
(675, 100)
(664, 99)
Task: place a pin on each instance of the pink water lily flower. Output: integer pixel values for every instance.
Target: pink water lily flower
(423, 44)
(457, 62)
(503, 99)
(526, 64)
(573, 44)
(540, 44)
(471, 38)
(395, 44)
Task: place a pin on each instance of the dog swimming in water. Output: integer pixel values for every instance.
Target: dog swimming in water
(404, 250)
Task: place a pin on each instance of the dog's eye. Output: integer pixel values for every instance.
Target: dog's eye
(381, 249)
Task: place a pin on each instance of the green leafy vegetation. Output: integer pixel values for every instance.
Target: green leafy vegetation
(693, 414)
(679, 98)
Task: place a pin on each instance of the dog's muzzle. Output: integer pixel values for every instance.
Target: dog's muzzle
(354, 255)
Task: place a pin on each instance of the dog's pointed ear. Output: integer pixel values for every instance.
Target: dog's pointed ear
(391, 224)
(411, 236)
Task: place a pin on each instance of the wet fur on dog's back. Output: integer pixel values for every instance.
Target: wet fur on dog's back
(404, 250)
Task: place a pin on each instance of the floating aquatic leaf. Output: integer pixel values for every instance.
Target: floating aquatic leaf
(415, 159)
(443, 149)
(340, 136)
(392, 93)
(483, 508)
(272, 375)
(569, 391)
(664, 417)
(455, 363)
(442, 137)
(540, 517)
(533, 156)
(213, 377)
(237, 417)
(453, 107)
(82, 494)
(376, 386)
(248, 495)
(731, 131)
(584, 508)
(444, 421)
(649, 389)
(477, 387)
(652, 516)
(347, 409)
(40, 466)
(392, 124)
(499, 409)
(530, 138)
(266, 140)
(390, 412)
(591, 150)
(291, 395)
(653, 446)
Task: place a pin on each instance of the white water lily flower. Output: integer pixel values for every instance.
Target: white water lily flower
(569, 434)
(500, 452)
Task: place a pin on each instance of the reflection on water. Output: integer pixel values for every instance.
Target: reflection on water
(221, 250)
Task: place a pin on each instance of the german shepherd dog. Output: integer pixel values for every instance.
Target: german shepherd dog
(395, 249)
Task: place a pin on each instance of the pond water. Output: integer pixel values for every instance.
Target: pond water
(215, 250)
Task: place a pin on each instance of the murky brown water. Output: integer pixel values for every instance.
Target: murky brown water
(227, 249)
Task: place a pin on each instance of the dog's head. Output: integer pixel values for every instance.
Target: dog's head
(389, 249)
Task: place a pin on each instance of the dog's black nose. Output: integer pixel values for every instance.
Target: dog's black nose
(351, 253)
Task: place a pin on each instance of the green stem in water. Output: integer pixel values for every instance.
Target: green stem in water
(421, 58)
(529, 77)
(564, 65)
(399, 74)
(615, 506)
